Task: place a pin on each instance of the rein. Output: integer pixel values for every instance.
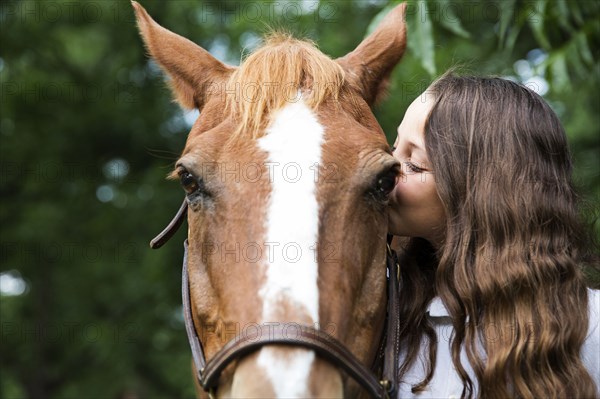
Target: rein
(308, 337)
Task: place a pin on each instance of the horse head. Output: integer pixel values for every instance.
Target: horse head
(286, 175)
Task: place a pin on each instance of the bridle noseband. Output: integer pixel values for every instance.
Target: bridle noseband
(308, 337)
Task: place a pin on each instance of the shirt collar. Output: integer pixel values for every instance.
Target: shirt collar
(437, 308)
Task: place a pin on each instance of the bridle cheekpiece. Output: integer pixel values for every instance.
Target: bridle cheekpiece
(325, 345)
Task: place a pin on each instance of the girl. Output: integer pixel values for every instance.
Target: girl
(493, 301)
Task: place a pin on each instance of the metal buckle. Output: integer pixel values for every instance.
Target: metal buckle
(387, 387)
(392, 254)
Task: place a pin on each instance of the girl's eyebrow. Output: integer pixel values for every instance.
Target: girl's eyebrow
(412, 144)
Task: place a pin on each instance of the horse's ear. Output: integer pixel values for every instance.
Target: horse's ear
(369, 66)
(193, 71)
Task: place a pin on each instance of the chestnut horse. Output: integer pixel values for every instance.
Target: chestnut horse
(286, 174)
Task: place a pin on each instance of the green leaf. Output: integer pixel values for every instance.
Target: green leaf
(448, 18)
(574, 59)
(584, 49)
(507, 10)
(576, 12)
(562, 14)
(560, 73)
(536, 17)
(422, 43)
(511, 39)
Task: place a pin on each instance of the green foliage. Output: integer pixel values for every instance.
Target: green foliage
(89, 132)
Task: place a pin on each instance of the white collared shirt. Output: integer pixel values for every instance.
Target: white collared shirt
(446, 382)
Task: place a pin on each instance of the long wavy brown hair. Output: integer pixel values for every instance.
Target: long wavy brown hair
(509, 270)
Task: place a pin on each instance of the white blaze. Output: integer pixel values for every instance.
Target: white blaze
(293, 144)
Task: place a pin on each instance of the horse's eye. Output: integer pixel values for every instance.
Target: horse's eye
(385, 183)
(189, 182)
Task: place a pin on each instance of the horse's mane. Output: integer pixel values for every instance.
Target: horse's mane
(276, 74)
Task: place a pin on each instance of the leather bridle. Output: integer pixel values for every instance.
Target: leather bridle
(308, 337)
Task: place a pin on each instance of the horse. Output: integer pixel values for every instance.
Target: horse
(286, 175)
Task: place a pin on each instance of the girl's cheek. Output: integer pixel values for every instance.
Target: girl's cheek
(395, 195)
(409, 190)
(402, 193)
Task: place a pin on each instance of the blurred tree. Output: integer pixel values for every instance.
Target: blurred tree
(89, 132)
